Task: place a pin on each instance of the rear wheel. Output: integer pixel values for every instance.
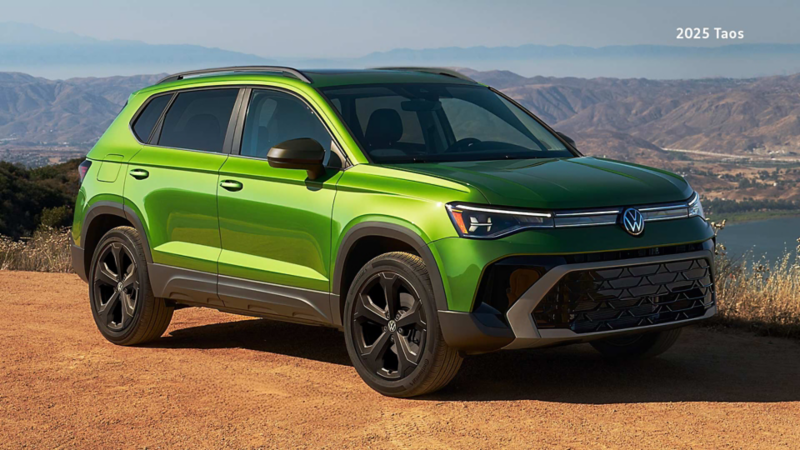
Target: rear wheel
(647, 345)
(123, 305)
(392, 329)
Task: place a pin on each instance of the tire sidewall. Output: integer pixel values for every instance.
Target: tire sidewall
(117, 235)
(433, 337)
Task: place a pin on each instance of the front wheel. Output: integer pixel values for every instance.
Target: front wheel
(637, 346)
(392, 328)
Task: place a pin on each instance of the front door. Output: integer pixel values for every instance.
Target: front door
(275, 224)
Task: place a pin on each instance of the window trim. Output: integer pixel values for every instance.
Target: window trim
(231, 147)
(247, 91)
(141, 109)
(156, 135)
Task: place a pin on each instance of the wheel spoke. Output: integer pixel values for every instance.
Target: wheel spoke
(107, 309)
(390, 284)
(405, 357)
(412, 317)
(367, 310)
(106, 276)
(116, 251)
(373, 354)
(131, 276)
(128, 307)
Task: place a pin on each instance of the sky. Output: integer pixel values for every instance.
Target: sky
(332, 29)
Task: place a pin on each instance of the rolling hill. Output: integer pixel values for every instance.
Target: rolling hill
(619, 118)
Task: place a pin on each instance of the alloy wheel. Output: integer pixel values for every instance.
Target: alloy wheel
(116, 286)
(389, 326)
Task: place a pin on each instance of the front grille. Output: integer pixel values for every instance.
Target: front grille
(499, 290)
(626, 297)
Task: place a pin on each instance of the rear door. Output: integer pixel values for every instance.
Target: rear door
(275, 224)
(172, 187)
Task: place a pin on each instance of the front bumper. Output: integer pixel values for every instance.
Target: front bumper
(636, 301)
(527, 334)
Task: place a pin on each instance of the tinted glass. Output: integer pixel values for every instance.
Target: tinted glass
(404, 123)
(149, 116)
(198, 120)
(274, 117)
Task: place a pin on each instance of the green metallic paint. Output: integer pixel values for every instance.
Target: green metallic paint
(283, 229)
(277, 228)
(567, 183)
(177, 204)
(371, 193)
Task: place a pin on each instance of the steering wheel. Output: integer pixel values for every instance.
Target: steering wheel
(462, 143)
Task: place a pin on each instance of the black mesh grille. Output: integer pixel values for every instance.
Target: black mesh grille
(497, 290)
(639, 295)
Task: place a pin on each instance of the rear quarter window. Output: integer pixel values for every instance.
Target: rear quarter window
(147, 119)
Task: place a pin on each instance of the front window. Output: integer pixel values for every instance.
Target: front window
(407, 123)
(274, 117)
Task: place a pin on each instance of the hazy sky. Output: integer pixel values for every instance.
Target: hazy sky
(318, 28)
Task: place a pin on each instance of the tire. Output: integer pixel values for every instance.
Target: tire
(397, 347)
(127, 314)
(638, 346)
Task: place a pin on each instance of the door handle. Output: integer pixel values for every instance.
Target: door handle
(139, 174)
(232, 185)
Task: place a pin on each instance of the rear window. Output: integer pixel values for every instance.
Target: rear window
(198, 120)
(149, 116)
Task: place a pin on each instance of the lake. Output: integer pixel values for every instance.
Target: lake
(770, 237)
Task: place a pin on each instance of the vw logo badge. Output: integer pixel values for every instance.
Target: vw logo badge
(633, 221)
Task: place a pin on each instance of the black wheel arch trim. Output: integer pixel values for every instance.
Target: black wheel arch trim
(393, 231)
(103, 208)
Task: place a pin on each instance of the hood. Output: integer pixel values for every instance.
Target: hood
(564, 183)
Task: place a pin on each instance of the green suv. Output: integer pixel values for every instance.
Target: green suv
(425, 215)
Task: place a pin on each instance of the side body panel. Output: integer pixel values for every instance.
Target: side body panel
(277, 228)
(177, 203)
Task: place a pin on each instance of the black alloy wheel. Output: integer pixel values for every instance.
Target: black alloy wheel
(116, 286)
(389, 326)
(123, 304)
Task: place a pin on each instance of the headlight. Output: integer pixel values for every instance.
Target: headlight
(695, 208)
(480, 222)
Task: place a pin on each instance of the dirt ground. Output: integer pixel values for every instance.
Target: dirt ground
(216, 380)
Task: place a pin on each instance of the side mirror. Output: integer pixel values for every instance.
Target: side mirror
(303, 153)
(566, 138)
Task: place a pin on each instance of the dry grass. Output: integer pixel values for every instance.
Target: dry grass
(47, 251)
(751, 294)
(757, 295)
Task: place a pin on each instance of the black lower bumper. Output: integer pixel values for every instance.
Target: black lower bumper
(476, 332)
(78, 262)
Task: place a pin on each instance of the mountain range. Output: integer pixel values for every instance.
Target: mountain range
(737, 138)
(30, 49)
(614, 117)
(731, 116)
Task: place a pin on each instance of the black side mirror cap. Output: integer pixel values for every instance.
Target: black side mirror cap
(567, 138)
(302, 153)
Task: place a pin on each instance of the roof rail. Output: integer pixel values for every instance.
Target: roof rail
(280, 69)
(434, 70)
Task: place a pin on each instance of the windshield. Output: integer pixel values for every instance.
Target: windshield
(407, 123)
